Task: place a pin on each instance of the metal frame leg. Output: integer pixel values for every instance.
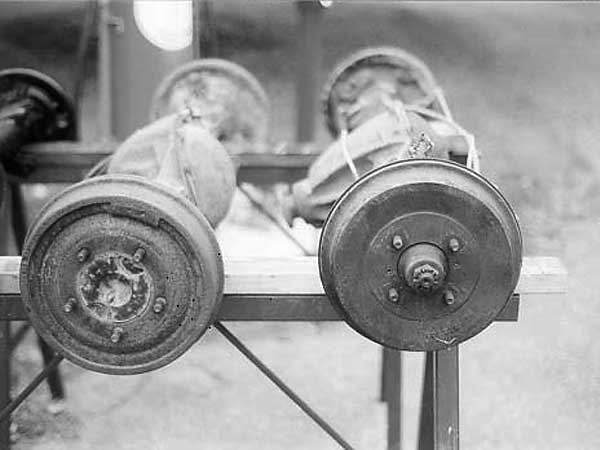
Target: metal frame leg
(438, 429)
(391, 387)
(4, 381)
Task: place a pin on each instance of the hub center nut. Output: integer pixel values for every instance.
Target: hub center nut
(423, 267)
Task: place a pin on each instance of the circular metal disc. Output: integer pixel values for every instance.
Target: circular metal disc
(414, 202)
(403, 75)
(21, 82)
(120, 275)
(231, 99)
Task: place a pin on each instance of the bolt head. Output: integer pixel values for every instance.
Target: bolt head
(69, 305)
(116, 335)
(393, 295)
(83, 254)
(397, 242)
(454, 245)
(449, 298)
(159, 305)
(139, 255)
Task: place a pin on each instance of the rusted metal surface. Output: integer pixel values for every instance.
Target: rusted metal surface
(100, 260)
(33, 108)
(420, 202)
(352, 92)
(232, 103)
(179, 152)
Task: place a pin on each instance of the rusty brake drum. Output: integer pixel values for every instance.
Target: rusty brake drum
(121, 275)
(395, 73)
(420, 254)
(230, 99)
(60, 118)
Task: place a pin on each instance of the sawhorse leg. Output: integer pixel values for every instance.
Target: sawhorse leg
(391, 394)
(438, 429)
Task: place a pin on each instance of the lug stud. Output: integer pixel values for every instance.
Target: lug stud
(449, 298)
(139, 255)
(454, 245)
(159, 305)
(393, 295)
(83, 254)
(397, 242)
(116, 335)
(69, 305)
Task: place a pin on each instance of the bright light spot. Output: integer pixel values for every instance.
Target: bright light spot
(168, 24)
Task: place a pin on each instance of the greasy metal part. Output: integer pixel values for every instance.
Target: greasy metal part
(33, 108)
(58, 119)
(101, 313)
(444, 297)
(322, 423)
(229, 99)
(423, 267)
(356, 84)
(178, 152)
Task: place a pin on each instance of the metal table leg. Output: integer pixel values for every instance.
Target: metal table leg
(392, 395)
(438, 428)
(4, 381)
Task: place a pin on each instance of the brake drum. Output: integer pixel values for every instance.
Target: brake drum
(231, 100)
(420, 254)
(121, 275)
(356, 84)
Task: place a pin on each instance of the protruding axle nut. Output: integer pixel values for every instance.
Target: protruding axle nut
(423, 267)
(393, 295)
(425, 278)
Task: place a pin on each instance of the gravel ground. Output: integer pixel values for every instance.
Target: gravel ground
(523, 78)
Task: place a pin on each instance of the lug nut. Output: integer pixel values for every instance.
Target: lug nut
(454, 245)
(449, 297)
(393, 295)
(159, 305)
(83, 254)
(69, 305)
(397, 242)
(139, 255)
(116, 335)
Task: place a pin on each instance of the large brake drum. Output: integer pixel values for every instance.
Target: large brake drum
(121, 275)
(420, 254)
(231, 101)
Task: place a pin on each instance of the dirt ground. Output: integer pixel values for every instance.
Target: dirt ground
(524, 79)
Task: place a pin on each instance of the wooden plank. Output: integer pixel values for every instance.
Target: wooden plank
(300, 276)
